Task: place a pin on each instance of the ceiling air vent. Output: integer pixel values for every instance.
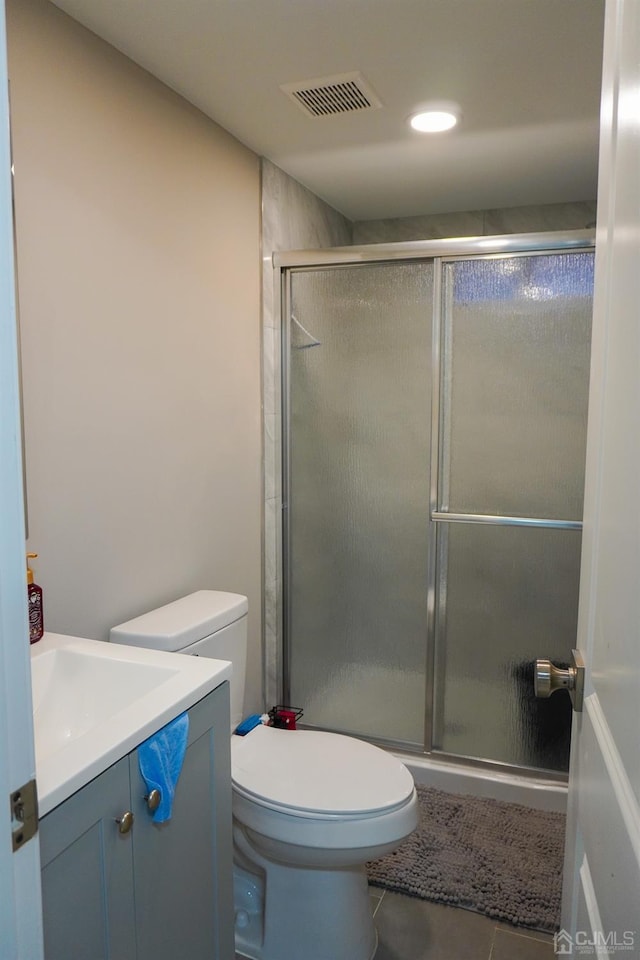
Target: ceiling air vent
(327, 96)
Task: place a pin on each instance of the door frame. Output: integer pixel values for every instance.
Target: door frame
(20, 902)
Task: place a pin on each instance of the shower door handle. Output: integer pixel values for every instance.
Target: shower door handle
(548, 678)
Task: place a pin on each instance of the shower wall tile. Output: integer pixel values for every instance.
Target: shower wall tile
(272, 457)
(551, 216)
(271, 602)
(268, 311)
(429, 227)
(270, 375)
(273, 668)
(293, 218)
(271, 511)
(273, 665)
(271, 595)
(476, 223)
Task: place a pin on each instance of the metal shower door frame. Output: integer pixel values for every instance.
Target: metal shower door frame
(438, 252)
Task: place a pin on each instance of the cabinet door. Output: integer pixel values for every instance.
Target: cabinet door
(87, 877)
(183, 868)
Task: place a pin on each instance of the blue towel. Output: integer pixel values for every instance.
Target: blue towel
(160, 759)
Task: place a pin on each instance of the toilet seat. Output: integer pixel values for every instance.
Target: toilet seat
(308, 789)
(317, 775)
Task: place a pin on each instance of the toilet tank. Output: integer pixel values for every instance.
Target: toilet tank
(208, 623)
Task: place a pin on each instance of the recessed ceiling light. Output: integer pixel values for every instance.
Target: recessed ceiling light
(435, 117)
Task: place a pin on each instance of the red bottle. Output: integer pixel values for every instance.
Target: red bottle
(34, 599)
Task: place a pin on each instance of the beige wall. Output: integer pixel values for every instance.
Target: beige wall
(138, 260)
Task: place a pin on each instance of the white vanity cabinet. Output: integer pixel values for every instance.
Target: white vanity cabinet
(158, 891)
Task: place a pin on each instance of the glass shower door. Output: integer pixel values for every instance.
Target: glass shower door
(514, 392)
(357, 542)
(435, 430)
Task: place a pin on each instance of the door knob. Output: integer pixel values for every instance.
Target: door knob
(547, 678)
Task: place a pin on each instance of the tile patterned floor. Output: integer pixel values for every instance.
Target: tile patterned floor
(411, 929)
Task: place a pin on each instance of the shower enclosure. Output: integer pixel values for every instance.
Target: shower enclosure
(434, 425)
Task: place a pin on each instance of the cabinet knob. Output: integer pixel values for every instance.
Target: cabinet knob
(153, 800)
(125, 822)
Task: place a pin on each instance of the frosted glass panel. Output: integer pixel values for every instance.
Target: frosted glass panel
(360, 417)
(511, 596)
(515, 385)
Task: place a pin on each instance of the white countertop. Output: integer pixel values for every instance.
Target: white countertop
(94, 702)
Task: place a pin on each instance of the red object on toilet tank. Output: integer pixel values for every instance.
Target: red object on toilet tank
(284, 717)
(288, 719)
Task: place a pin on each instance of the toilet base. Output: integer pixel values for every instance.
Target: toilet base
(285, 912)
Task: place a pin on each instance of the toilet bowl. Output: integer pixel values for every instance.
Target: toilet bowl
(309, 808)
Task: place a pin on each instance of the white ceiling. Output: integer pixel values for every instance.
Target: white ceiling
(525, 72)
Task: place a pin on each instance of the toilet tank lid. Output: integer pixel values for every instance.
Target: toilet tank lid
(185, 621)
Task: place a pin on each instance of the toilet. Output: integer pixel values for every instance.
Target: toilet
(309, 808)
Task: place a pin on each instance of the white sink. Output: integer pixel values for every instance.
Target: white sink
(94, 702)
(75, 690)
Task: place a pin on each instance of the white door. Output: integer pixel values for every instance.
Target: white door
(20, 906)
(601, 904)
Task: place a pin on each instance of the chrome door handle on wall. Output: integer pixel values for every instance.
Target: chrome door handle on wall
(548, 678)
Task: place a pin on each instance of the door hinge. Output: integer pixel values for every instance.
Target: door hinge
(23, 804)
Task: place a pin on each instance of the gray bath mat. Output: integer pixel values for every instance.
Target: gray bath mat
(500, 859)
